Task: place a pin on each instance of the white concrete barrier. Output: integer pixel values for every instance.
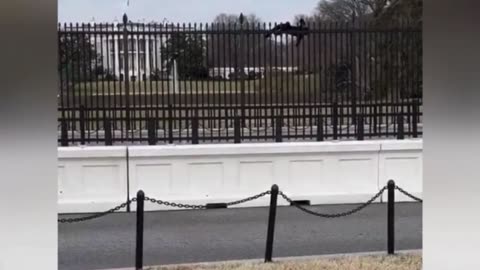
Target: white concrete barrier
(324, 172)
(91, 179)
(402, 162)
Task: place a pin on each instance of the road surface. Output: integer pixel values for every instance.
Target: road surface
(232, 234)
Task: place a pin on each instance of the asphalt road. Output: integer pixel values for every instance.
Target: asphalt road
(232, 234)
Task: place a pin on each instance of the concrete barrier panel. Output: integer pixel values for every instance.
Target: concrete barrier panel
(402, 162)
(91, 179)
(323, 172)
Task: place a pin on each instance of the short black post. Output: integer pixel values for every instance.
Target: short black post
(152, 131)
(139, 242)
(391, 217)
(271, 223)
(278, 128)
(237, 133)
(335, 120)
(319, 128)
(107, 128)
(360, 128)
(82, 125)
(415, 119)
(64, 135)
(195, 129)
(400, 128)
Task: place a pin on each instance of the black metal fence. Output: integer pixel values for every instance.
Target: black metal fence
(274, 192)
(133, 83)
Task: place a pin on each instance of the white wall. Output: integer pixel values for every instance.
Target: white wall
(95, 178)
(91, 179)
(321, 172)
(402, 162)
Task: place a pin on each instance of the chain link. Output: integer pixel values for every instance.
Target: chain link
(80, 219)
(192, 206)
(343, 214)
(177, 205)
(249, 198)
(408, 194)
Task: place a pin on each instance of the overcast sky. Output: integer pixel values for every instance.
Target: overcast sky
(179, 10)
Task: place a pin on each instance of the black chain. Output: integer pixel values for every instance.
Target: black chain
(343, 214)
(80, 219)
(249, 198)
(172, 204)
(192, 206)
(408, 194)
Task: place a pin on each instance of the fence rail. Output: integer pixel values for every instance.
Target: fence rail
(273, 193)
(119, 80)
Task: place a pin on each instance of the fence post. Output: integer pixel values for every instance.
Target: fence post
(195, 128)
(335, 120)
(400, 127)
(360, 128)
(107, 127)
(126, 71)
(152, 130)
(170, 124)
(237, 130)
(271, 223)
(64, 133)
(242, 70)
(415, 119)
(278, 128)
(139, 238)
(82, 124)
(319, 128)
(391, 217)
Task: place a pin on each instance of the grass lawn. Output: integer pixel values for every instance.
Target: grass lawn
(398, 262)
(280, 83)
(147, 87)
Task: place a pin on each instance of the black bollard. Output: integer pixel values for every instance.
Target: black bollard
(271, 223)
(391, 217)
(139, 241)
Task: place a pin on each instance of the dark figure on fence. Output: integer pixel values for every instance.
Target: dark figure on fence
(286, 28)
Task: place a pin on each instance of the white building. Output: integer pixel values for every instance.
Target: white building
(144, 47)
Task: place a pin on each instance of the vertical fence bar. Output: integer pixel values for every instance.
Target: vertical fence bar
(415, 119)
(170, 123)
(107, 129)
(391, 217)
(400, 127)
(152, 130)
(126, 76)
(271, 223)
(139, 238)
(360, 128)
(319, 127)
(82, 124)
(64, 133)
(195, 128)
(278, 128)
(242, 70)
(335, 120)
(237, 129)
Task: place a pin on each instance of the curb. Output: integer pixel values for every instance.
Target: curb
(283, 259)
